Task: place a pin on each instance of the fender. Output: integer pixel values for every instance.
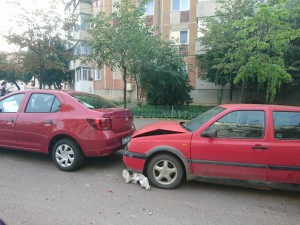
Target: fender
(165, 148)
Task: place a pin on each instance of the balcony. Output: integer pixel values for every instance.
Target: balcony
(206, 8)
(80, 6)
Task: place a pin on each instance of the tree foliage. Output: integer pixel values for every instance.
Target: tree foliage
(221, 41)
(118, 39)
(292, 56)
(12, 68)
(165, 79)
(258, 35)
(41, 38)
(122, 40)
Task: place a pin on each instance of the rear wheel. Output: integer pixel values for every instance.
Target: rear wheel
(165, 171)
(67, 155)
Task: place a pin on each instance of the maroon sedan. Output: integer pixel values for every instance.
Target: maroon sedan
(68, 125)
(253, 145)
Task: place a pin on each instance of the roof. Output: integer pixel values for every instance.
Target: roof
(273, 107)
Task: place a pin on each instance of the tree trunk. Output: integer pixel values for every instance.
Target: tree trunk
(220, 97)
(231, 91)
(15, 83)
(138, 91)
(124, 89)
(42, 75)
(243, 91)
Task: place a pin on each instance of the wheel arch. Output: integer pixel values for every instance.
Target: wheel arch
(171, 151)
(58, 137)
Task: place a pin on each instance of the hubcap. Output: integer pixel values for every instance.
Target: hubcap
(64, 155)
(165, 172)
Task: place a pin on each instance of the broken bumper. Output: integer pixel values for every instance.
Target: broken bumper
(134, 161)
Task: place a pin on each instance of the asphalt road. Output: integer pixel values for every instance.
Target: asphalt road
(34, 192)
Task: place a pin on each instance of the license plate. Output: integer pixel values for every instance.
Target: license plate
(125, 140)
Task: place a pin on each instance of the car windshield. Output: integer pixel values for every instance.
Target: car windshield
(92, 101)
(197, 122)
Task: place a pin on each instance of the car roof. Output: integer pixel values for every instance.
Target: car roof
(252, 106)
(51, 91)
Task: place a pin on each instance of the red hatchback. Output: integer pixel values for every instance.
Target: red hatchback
(68, 125)
(239, 144)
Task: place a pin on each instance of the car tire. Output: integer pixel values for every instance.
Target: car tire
(67, 155)
(165, 171)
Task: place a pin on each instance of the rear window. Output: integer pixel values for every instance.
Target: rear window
(92, 101)
(286, 125)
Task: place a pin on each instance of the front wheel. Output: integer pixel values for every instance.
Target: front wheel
(67, 155)
(165, 171)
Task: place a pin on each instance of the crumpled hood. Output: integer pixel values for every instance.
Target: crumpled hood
(160, 128)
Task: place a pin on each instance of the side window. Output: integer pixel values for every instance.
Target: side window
(241, 124)
(56, 105)
(42, 103)
(286, 125)
(11, 104)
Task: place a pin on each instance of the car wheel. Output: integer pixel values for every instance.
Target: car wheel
(165, 171)
(67, 155)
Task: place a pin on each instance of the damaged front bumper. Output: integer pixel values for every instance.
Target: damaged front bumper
(134, 161)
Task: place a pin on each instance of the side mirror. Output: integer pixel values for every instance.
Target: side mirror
(211, 132)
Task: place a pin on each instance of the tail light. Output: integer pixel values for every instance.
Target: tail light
(100, 123)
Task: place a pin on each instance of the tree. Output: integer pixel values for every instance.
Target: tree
(56, 76)
(249, 44)
(264, 40)
(41, 37)
(220, 40)
(165, 78)
(118, 39)
(291, 56)
(12, 69)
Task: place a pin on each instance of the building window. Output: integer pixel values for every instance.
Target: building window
(149, 8)
(84, 73)
(87, 73)
(97, 74)
(180, 5)
(78, 74)
(179, 37)
(84, 25)
(82, 49)
(117, 75)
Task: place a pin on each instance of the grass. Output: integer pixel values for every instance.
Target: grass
(179, 112)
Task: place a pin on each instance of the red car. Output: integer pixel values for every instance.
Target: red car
(68, 125)
(237, 144)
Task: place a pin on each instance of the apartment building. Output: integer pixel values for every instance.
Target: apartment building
(176, 20)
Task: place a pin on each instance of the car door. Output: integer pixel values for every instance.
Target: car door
(9, 111)
(35, 125)
(284, 162)
(238, 151)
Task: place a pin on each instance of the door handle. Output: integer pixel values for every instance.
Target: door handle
(48, 122)
(10, 120)
(259, 147)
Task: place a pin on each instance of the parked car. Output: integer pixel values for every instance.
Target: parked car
(237, 144)
(68, 125)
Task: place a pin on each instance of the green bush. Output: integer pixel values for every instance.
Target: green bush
(180, 112)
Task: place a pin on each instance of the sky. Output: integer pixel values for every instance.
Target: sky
(9, 10)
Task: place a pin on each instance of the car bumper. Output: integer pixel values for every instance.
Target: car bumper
(134, 161)
(105, 144)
